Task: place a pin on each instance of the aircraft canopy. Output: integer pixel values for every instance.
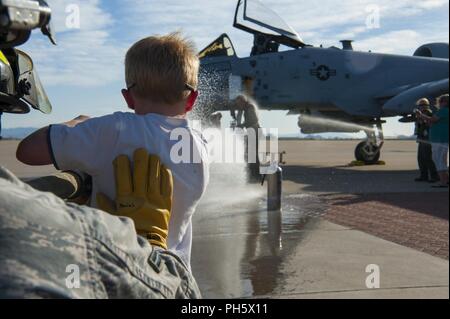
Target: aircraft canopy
(254, 17)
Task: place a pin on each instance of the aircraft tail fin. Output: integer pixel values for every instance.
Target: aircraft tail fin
(222, 46)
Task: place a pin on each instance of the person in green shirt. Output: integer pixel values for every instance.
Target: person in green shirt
(439, 132)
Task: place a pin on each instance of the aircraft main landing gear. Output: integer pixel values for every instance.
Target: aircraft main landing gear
(369, 151)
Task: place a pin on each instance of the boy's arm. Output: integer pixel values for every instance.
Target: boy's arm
(36, 150)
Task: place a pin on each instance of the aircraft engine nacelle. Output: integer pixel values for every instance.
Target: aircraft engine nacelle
(433, 50)
(405, 102)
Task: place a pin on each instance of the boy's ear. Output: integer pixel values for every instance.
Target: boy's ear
(128, 98)
(191, 101)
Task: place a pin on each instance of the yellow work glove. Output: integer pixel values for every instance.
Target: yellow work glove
(145, 197)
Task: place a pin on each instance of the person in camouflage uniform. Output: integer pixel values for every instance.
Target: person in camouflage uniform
(51, 249)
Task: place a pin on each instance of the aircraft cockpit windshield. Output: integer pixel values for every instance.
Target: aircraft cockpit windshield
(254, 17)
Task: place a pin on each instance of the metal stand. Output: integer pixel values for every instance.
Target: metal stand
(274, 190)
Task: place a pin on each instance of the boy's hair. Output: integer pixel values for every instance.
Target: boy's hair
(162, 68)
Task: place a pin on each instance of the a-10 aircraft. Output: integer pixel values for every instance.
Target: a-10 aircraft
(343, 85)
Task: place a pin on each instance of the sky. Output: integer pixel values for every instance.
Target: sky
(84, 73)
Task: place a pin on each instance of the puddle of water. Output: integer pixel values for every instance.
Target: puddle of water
(242, 250)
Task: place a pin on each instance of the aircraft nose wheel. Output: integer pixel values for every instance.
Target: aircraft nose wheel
(368, 153)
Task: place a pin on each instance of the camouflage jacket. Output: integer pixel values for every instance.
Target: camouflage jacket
(50, 249)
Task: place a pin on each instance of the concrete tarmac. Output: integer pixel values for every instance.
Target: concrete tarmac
(317, 248)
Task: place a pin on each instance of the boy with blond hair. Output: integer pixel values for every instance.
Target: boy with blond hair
(161, 77)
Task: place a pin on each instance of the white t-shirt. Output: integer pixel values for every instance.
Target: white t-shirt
(92, 146)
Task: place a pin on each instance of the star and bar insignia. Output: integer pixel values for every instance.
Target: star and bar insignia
(323, 72)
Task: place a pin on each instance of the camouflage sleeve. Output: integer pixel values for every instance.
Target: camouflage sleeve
(50, 249)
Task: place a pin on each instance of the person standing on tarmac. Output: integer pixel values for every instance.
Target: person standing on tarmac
(439, 134)
(250, 113)
(247, 117)
(428, 172)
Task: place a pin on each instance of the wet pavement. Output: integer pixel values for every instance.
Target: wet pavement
(410, 219)
(336, 221)
(240, 251)
(251, 253)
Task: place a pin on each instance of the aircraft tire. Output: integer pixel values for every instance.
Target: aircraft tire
(368, 157)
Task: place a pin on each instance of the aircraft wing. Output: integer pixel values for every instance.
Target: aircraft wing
(405, 100)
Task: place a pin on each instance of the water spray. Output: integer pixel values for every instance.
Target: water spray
(229, 178)
(332, 125)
